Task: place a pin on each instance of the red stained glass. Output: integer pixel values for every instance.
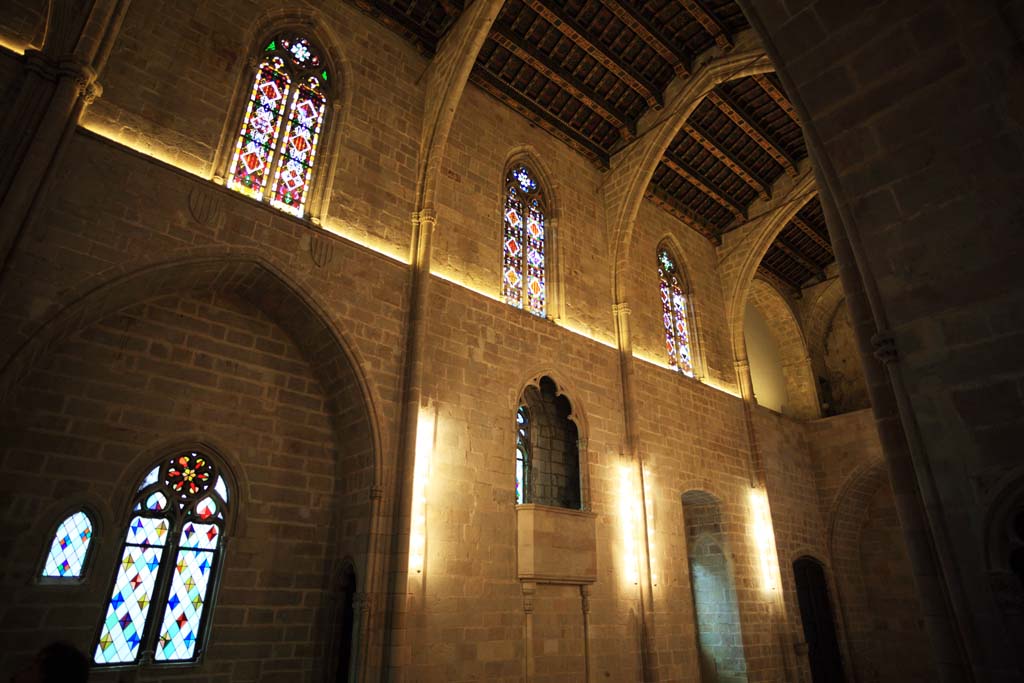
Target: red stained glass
(523, 279)
(674, 314)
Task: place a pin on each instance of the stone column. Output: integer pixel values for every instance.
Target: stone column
(529, 590)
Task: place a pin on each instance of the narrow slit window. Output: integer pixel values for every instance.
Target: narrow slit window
(674, 314)
(524, 281)
(522, 455)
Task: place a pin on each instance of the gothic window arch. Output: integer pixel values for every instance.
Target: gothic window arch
(274, 158)
(69, 547)
(526, 243)
(160, 602)
(548, 461)
(677, 316)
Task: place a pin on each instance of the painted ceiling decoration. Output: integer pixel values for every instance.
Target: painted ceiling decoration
(586, 71)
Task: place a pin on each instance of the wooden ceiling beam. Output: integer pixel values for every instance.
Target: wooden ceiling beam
(732, 110)
(511, 97)
(576, 32)
(709, 22)
(399, 21)
(804, 262)
(682, 213)
(529, 53)
(705, 140)
(803, 227)
(695, 178)
(640, 25)
(781, 283)
(777, 95)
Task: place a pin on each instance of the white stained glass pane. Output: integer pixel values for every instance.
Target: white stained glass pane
(150, 478)
(69, 548)
(190, 582)
(221, 488)
(125, 620)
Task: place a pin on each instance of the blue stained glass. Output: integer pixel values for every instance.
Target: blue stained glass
(523, 277)
(189, 585)
(674, 315)
(69, 547)
(125, 620)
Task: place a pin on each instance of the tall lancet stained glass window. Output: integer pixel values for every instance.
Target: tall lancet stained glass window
(159, 602)
(522, 455)
(276, 148)
(69, 547)
(674, 314)
(524, 283)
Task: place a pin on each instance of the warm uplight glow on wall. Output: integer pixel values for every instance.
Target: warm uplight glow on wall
(629, 518)
(764, 537)
(346, 231)
(652, 555)
(139, 145)
(425, 429)
(459, 282)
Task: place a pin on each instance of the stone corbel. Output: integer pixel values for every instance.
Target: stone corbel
(884, 343)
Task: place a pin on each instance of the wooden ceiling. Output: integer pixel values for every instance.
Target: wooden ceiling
(587, 70)
(801, 252)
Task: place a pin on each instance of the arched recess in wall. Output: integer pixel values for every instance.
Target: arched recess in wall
(882, 621)
(713, 589)
(1004, 552)
(178, 353)
(818, 620)
(336, 86)
(555, 440)
(526, 156)
(796, 394)
(691, 312)
(843, 371)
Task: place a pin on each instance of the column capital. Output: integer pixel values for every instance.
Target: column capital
(621, 308)
(425, 217)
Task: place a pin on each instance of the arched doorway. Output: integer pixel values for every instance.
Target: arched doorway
(819, 624)
(346, 625)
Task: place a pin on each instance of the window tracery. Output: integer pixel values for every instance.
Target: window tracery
(289, 92)
(178, 512)
(674, 313)
(524, 282)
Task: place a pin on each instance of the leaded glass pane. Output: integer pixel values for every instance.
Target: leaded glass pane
(257, 141)
(522, 455)
(674, 314)
(125, 621)
(69, 548)
(524, 283)
(189, 584)
(300, 140)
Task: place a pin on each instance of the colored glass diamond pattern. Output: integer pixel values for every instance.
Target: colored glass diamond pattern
(69, 547)
(125, 620)
(523, 278)
(674, 315)
(301, 136)
(184, 610)
(254, 151)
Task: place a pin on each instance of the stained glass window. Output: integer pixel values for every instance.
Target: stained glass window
(522, 455)
(674, 314)
(69, 547)
(289, 89)
(178, 513)
(524, 283)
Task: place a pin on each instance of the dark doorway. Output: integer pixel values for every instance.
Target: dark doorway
(346, 625)
(819, 625)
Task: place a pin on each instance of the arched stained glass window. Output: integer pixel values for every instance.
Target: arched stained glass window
(524, 283)
(69, 547)
(522, 455)
(170, 557)
(289, 89)
(674, 313)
